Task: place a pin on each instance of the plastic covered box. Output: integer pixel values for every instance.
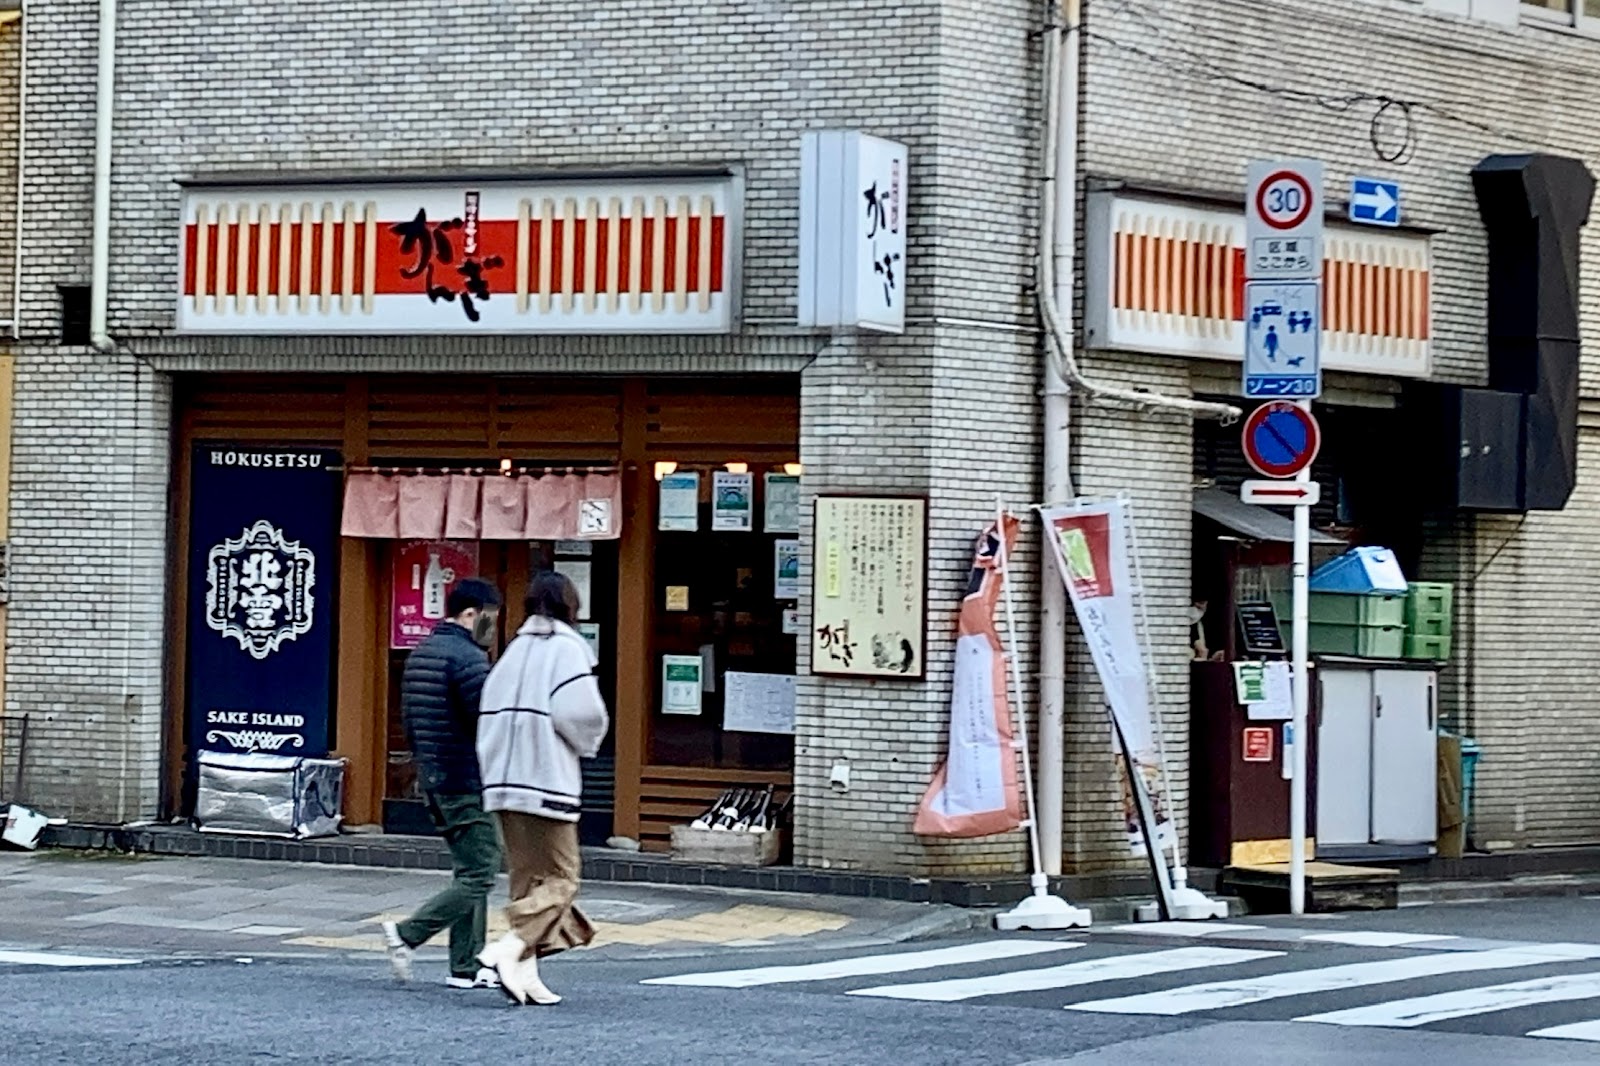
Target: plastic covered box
(269, 795)
(1361, 571)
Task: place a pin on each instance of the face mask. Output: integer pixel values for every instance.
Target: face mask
(484, 627)
(1195, 614)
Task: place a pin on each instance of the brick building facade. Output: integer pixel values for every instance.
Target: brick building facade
(1175, 99)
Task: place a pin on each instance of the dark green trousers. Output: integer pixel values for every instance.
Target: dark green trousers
(463, 907)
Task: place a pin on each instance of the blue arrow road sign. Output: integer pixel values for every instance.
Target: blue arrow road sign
(1374, 202)
(1283, 339)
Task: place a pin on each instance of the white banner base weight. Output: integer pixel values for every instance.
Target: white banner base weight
(1043, 911)
(1188, 905)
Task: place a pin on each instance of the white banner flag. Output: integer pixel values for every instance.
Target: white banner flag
(974, 793)
(1090, 544)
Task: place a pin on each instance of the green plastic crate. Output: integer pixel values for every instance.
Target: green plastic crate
(1433, 649)
(1436, 626)
(1425, 599)
(1366, 642)
(1351, 609)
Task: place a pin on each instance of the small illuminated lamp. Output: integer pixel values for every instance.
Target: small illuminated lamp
(736, 468)
(793, 469)
(505, 466)
(665, 468)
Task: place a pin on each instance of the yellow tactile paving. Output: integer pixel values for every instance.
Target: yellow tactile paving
(741, 923)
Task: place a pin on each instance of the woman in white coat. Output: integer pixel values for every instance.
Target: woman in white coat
(541, 712)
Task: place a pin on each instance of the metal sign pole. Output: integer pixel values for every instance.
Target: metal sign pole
(1283, 360)
(1300, 638)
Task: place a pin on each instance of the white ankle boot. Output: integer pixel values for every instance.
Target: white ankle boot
(501, 957)
(533, 987)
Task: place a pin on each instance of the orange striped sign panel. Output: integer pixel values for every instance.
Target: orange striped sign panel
(1168, 278)
(584, 257)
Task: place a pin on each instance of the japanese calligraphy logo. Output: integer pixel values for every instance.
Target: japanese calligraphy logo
(879, 205)
(594, 517)
(431, 245)
(259, 589)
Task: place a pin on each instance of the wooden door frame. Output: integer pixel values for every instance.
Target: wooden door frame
(635, 578)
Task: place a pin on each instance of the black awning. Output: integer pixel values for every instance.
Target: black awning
(1249, 520)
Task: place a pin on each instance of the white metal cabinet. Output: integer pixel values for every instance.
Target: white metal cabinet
(1377, 745)
(1405, 745)
(1344, 758)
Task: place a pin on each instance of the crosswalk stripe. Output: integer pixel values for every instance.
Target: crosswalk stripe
(1577, 1031)
(1187, 929)
(1219, 995)
(867, 965)
(46, 958)
(1425, 1010)
(1090, 971)
(1376, 940)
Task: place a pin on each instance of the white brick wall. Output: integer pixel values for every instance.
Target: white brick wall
(1165, 108)
(357, 87)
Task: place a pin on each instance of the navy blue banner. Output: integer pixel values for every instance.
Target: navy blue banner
(263, 568)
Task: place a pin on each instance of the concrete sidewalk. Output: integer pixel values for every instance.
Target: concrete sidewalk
(202, 906)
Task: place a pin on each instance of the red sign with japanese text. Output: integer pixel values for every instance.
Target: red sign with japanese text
(424, 573)
(1257, 745)
(580, 256)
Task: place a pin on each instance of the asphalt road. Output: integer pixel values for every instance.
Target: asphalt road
(1197, 1001)
(198, 961)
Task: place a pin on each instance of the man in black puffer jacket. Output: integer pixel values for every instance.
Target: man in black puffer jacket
(439, 695)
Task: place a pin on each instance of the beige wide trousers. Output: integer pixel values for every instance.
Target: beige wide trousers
(545, 865)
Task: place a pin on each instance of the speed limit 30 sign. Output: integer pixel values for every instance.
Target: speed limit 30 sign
(1283, 219)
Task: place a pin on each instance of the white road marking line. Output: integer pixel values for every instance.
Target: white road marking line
(1219, 995)
(1191, 929)
(866, 965)
(46, 958)
(1577, 1031)
(1425, 1010)
(1088, 972)
(1376, 940)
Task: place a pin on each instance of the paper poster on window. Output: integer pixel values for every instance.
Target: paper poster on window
(581, 573)
(1249, 683)
(786, 570)
(424, 573)
(680, 504)
(733, 506)
(681, 684)
(1277, 697)
(868, 610)
(759, 703)
(782, 504)
(590, 632)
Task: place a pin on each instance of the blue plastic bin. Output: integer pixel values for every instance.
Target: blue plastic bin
(1361, 571)
(1470, 754)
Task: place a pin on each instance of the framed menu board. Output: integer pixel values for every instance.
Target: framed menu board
(869, 578)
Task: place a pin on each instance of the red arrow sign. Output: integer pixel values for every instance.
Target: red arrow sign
(1282, 493)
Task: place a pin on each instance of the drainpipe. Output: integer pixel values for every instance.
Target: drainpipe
(1061, 51)
(105, 105)
(22, 169)
(1058, 235)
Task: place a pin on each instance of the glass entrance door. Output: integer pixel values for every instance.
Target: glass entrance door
(509, 565)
